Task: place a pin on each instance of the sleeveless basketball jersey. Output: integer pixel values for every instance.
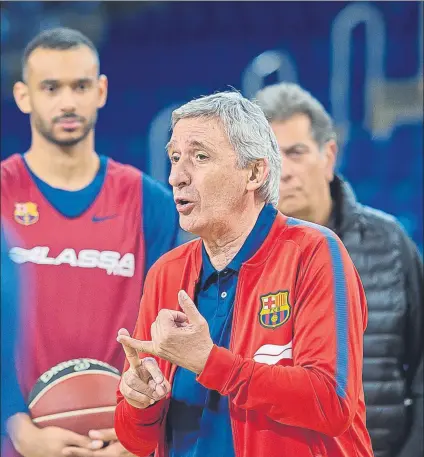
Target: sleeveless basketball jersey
(85, 273)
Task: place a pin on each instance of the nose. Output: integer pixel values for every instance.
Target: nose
(179, 176)
(286, 168)
(67, 100)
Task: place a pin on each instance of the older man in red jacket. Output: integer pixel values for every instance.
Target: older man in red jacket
(251, 336)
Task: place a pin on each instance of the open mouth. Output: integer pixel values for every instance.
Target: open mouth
(183, 205)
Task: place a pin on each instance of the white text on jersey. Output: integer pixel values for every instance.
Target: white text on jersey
(110, 261)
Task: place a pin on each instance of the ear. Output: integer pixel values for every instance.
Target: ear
(258, 172)
(331, 150)
(103, 86)
(21, 96)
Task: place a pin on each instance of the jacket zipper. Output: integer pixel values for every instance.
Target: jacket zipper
(235, 315)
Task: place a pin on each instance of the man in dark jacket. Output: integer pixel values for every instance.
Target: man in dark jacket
(387, 260)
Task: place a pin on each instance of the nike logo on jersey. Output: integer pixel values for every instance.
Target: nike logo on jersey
(111, 261)
(103, 218)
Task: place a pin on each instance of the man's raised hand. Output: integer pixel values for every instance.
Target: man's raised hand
(143, 383)
(181, 338)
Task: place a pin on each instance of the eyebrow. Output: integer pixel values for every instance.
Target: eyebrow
(200, 145)
(76, 81)
(295, 146)
(84, 80)
(169, 145)
(192, 144)
(48, 81)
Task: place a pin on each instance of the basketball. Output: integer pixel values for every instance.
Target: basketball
(77, 395)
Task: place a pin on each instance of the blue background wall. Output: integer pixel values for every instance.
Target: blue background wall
(362, 60)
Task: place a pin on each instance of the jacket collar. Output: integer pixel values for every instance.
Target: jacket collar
(346, 212)
(261, 254)
(252, 243)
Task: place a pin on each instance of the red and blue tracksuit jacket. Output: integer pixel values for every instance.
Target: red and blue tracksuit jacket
(293, 373)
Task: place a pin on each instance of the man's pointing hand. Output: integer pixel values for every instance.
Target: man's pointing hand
(182, 338)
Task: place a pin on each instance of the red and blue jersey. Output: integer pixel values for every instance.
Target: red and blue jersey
(88, 252)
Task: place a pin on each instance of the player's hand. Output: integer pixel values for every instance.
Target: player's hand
(31, 441)
(143, 383)
(181, 338)
(75, 451)
(113, 447)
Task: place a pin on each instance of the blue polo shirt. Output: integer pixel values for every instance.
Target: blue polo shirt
(198, 420)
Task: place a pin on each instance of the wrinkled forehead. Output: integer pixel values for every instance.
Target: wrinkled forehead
(196, 131)
(62, 65)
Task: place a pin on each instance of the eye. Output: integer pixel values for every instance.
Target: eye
(81, 86)
(174, 157)
(200, 157)
(51, 88)
(294, 152)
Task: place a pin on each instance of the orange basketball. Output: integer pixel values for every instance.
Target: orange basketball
(78, 395)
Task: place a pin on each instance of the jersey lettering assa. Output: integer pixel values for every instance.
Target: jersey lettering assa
(84, 274)
(110, 261)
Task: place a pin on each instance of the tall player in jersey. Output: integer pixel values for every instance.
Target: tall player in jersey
(90, 228)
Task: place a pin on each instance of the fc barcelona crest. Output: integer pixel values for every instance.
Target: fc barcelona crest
(275, 309)
(26, 213)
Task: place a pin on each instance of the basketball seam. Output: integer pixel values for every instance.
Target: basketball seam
(70, 375)
(78, 412)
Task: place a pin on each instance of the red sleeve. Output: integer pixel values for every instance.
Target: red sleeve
(138, 430)
(320, 391)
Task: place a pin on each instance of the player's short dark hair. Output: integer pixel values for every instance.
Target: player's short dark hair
(60, 38)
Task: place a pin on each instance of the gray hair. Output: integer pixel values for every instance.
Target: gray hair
(282, 101)
(247, 129)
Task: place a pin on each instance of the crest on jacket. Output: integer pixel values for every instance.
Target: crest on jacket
(26, 213)
(275, 309)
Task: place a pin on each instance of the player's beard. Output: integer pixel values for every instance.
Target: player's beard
(46, 130)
